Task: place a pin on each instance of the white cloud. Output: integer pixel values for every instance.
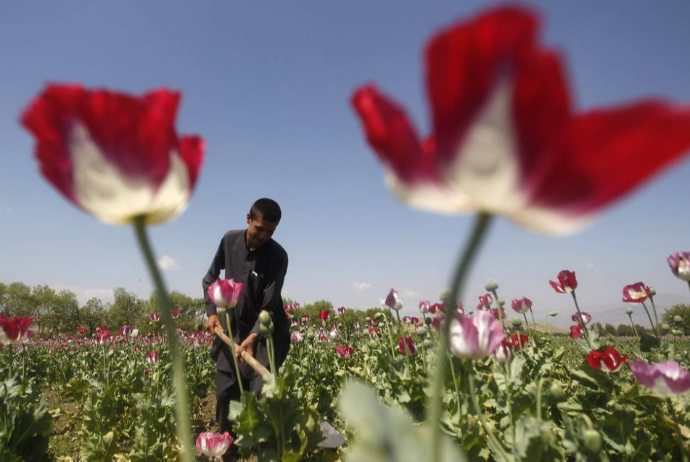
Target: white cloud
(84, 294)
(361, 286)
(168, 263)
(410, 294)
(592, 266)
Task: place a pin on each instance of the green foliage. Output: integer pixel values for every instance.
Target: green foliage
(278, 426)
(127, 309)
(682, 324)
(25, 423)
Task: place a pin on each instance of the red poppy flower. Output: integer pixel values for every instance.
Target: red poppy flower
(114, 155)
(505, 138)
(576, 332)
(16, 328)
(324, 314)
(519, 340)
(636, 293)
(408, 343)
(567, 282)
(608, 361)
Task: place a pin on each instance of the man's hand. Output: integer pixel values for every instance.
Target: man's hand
(247, 345)
(212, 322)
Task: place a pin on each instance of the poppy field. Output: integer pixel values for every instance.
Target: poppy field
(512, 392)
(454, 382)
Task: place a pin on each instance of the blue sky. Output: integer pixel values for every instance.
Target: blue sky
(267, 84)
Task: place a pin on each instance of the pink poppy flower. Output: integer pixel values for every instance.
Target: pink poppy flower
(341, 310)
(505, 137)
(679, 263)
(567, 282)
(485, 301)
(393, 300)
(665, 379)
(225, 293)
(476, 336)
(213, 445)
(114, 155)
(175, 313)
(424, 306)
(345, 351)
(521, 305)
(152, 357)
(585, 318)
(155, 317)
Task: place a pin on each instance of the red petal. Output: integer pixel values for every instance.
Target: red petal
(464, 64)
(607, 153)
(49, 118)
(391, 135)
(192, 152)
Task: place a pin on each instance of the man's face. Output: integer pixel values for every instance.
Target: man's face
(259, 231)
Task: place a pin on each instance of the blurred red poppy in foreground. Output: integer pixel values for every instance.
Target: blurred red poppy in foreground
(505, 138)
(115, 155)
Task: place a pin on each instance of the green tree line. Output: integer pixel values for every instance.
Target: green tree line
(59, 312)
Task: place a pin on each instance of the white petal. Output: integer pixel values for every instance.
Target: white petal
(486, 166)
(115, 198)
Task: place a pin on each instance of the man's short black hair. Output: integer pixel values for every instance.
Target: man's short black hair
(266, 209)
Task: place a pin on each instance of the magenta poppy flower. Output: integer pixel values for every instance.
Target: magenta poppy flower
(505, 138)
(225, 293)
(175, 313)
(345, 351)
(485, 301)
(103, 336)
(665, 379)
(636, 293)
(114, 155)
(297, 337)
(393, 300)
(679, 263)
(125, 330)
(608, 361)
(152, 357)
(409, 343)
(567, 282)
(424, 306)
(82, 331)
(494, 312)
(341, 310)
(576, 332)
(438, 321)
(582, 317)
(16, 329)
(213, 445)
(373, 332)
(519, 340)
(437, 308)
(476, 336)
(521, 305)
(155, 317)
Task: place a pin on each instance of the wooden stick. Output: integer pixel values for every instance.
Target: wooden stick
(256, 365)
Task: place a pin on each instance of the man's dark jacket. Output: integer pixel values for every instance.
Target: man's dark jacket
(262, 271)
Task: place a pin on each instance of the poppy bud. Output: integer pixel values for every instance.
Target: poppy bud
(490, 285)
(592, 439)
(556, 391)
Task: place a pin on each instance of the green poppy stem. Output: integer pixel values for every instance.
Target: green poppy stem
(184, 431)
(480, 227)
(582, 320)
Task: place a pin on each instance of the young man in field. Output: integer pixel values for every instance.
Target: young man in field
(253, 258)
